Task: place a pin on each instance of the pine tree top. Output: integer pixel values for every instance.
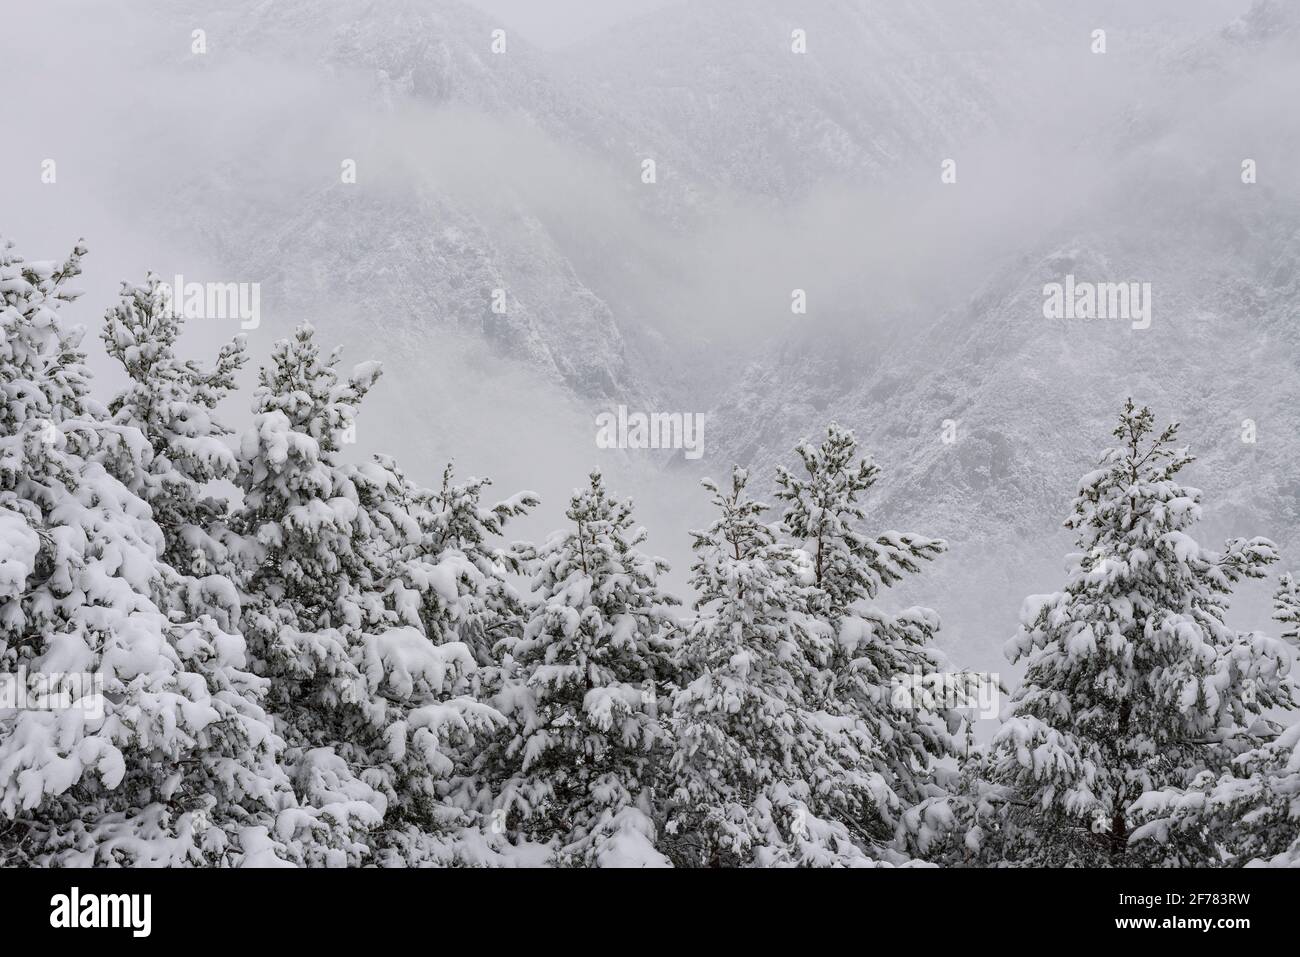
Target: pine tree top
(1286, 607)
(824, 511)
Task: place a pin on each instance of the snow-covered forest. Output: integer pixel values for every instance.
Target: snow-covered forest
(650, 433)
(297, 660)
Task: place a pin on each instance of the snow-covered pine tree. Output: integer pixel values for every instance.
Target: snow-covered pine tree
(166, 757)
(578, 765)
(1134, 682)
(1250, 812)
(1286, 607)
(873, 650)
(171, 403)
(759, 773)
(371, 706)
(449, 574)
(964, 819)
(823, 512)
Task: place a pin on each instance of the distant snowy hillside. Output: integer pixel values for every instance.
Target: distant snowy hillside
(514, 180)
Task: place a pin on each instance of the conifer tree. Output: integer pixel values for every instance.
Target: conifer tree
(823, 513)
(873, 650)
(171, 403)
(1286, 607)
(144, 741)
(760, 775)
(448, 573)
(371, 706)
(579, 763)
(1248, 812)
(1134, 682)
(964, 821)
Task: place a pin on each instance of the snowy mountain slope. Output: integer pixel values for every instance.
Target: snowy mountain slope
(581, 247)
(412, 92)
(1034, 399)
(882, 84)
(520, 172)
